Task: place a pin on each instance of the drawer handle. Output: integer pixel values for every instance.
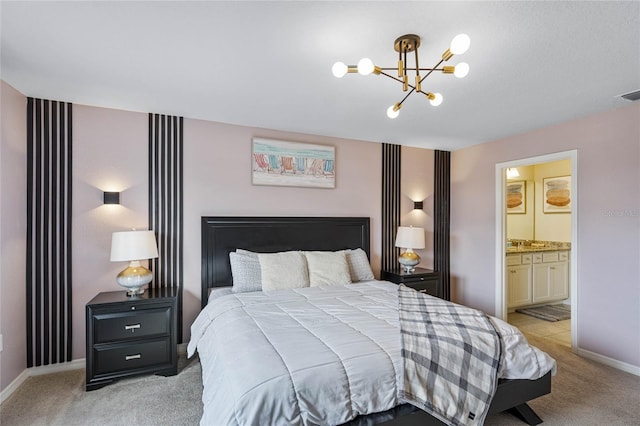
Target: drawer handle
(131, 327)
(421, 278)
(422, 291)
(130, 357)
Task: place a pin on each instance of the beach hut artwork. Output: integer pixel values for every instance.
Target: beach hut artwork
(284, 163)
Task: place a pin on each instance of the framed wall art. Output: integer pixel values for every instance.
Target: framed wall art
(516, 197)
(282, 163)
(556, 194)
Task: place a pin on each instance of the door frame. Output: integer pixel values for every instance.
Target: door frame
(501, 234)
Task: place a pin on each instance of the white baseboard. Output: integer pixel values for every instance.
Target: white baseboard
(38, 371)
(55, 368)
(629, 368)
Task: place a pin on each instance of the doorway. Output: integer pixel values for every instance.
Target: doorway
(501, 307)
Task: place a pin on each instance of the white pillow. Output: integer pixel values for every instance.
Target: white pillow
(245, 270)
(247, 253)
(359, 265)
(327, 268)
(284, 270)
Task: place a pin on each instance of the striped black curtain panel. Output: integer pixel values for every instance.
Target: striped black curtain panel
(441, 219)
(165, 203)
(390, 204)
(48, 262)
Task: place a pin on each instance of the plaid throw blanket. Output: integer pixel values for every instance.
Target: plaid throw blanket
(451, 356)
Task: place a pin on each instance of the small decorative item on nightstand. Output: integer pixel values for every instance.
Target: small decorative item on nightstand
(409, 238)
(133, 246)
(422, 280)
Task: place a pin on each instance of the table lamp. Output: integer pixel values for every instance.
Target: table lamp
(409, 238)
(133, 246)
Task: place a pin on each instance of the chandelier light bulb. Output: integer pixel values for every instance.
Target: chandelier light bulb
(437, 99)
(462, 69)
(460, 44)
(339, 69)
(365, 66)
(393, 111)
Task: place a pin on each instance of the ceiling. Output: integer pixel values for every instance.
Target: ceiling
(268, 64)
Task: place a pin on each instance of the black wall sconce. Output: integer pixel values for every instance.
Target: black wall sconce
(111, 197)
(417, 205)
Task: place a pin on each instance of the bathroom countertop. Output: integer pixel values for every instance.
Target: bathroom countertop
(529, 249)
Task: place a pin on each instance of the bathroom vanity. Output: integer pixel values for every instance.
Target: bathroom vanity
(536, 275)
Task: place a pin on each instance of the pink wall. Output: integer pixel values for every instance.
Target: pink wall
(608, 146)
(109, 154)
(217, 180)
(13, 230)
(416, 183)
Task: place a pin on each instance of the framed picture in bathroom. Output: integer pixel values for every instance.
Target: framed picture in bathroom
(516, 197)
(556, 194)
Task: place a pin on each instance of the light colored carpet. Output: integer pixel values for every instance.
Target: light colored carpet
(583, 393)
(60, 399)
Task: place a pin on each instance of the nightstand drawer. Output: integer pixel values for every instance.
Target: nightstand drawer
(109, 327)
(113, 358)
(426, 286)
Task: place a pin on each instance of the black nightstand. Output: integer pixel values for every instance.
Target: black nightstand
(423, 280)
(128, 336)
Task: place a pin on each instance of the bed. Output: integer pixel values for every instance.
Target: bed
(370, 401)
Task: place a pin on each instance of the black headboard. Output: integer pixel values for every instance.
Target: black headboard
(222, 235)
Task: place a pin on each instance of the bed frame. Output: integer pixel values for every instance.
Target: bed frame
(222, 235)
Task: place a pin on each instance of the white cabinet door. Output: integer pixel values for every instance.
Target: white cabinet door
(559, 280)
(541, 281)
(550, 281)
(519, 285)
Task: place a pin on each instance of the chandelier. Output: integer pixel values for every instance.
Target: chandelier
(406, 44)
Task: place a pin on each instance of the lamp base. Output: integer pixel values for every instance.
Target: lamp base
(409, 259)
(134, 278)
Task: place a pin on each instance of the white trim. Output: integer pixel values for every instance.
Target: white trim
(629, 368)
(500, 225)
(76, 364)
(13, 386)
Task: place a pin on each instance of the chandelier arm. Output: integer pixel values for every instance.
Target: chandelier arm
(413, 69)
(397, 79)
(432, 70)
(407, 95)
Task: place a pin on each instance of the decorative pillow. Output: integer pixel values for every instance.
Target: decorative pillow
(245, 270)
(284, 270)
(359, 266)
(247, 253)
(327, 268)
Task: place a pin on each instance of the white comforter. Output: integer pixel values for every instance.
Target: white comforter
(318, 355)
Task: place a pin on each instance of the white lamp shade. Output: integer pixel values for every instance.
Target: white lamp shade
(410, 237)
(133, 245)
